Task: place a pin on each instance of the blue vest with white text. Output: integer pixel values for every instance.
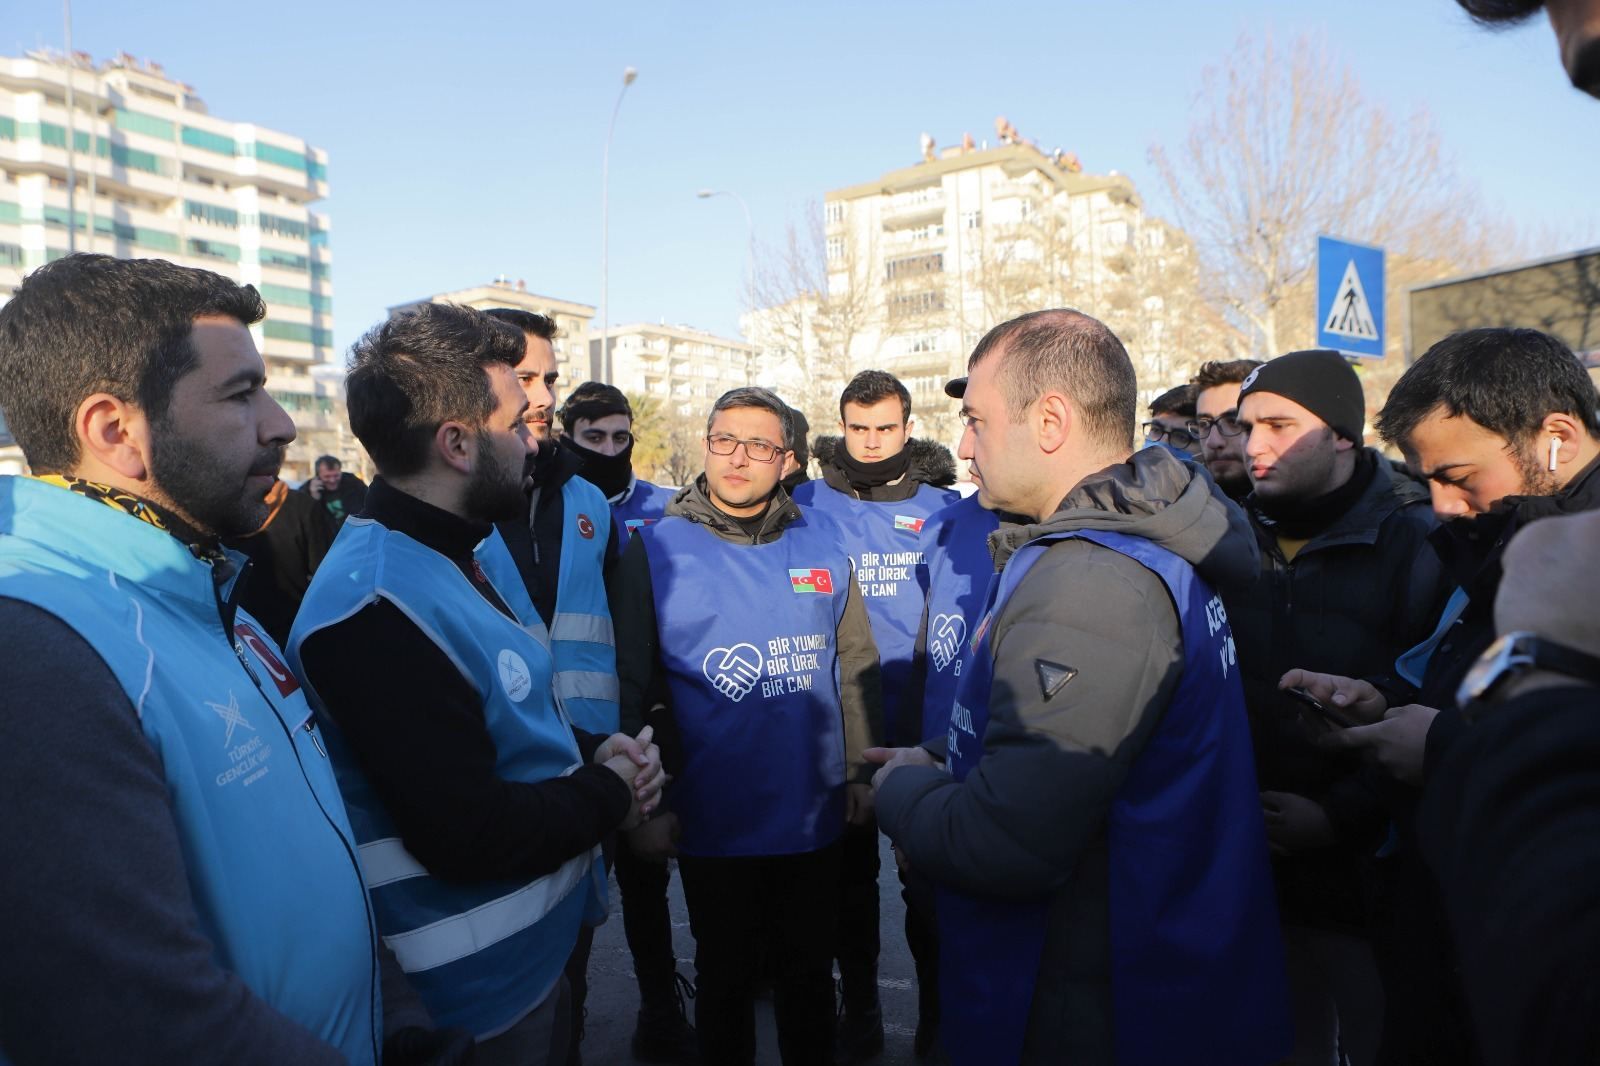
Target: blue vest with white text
(885, 543)
(580, 634)
(642, 505)
(269, 853)
(481, 955)
(748, 642)
(1197, 970)
(956, 579)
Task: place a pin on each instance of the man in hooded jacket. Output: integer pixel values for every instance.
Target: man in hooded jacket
(1098, 788)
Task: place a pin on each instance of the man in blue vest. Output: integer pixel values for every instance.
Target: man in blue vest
(478, 803)
(879, 484)
(562, 541)
(181, 882)
(739, 618)
(597, 428)
(1095, 834)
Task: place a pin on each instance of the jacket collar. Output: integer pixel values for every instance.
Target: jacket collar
(1387, 492)
(693, 503)
(102, 538)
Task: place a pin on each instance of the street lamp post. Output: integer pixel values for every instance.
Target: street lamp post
(749, 228)
(628, 76)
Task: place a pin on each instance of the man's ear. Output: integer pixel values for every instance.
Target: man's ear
(1054, 420)
(456, 446)
(113, 439)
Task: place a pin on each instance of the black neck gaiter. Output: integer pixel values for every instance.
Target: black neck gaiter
(608, 473)
(1304, 519)
(864, 476)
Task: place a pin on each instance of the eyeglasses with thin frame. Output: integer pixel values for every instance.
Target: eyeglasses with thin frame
(1178, 438)
(759, 451)
(1228, 425)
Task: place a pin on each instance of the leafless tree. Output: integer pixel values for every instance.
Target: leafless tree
(1284, 145)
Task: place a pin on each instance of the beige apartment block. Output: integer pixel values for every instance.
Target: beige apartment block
(686, 368)
(150, 173)
(572, 319)
(923, 260)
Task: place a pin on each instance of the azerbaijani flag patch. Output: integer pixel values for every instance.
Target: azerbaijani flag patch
(636, 524)
(908, 524)
(813, 580)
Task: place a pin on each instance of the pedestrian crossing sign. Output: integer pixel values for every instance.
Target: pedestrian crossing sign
(1350, 291)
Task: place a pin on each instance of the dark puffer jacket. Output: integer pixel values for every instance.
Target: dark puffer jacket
(1358, 594)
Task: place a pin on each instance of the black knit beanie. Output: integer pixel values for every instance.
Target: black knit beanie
(1319, 380)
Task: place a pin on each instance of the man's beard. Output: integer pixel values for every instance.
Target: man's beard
(197, 483)
(495, 492)
(1537, 478)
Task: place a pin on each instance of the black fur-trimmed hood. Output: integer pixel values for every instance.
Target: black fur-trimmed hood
(931, 462)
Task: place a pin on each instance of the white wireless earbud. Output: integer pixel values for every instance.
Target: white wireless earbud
(1555, 451)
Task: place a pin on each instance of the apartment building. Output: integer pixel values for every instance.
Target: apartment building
(571, 318)
(923, 260)
(138, 167)
(684, 367)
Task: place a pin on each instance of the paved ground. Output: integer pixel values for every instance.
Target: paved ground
(614, 997)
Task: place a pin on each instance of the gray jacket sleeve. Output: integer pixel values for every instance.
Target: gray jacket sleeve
(1050, 766)
(103, 957)
(860, 685)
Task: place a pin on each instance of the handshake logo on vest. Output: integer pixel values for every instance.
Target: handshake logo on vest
(944, 640)
(734, 671)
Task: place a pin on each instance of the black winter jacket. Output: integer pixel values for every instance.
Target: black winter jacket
(930, 464)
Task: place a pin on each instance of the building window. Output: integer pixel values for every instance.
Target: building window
(148, 125)
(906, 305)
(833, 211)
(297, 332)
(283, 260)
(925, 342)
(927, 232)
(287, 227)
(279, 157)
(972, 220)
(835, 249)
(208, 141)
(216, 216)
(214, 249)
(915, 266)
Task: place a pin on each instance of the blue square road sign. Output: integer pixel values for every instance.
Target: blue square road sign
(1350, 297)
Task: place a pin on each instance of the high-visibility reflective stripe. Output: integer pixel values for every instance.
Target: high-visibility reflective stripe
(461, 935)
(595, 628)
(587, 685)
(387, 861)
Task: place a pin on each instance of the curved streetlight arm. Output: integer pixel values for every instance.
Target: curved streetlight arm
(629, 74)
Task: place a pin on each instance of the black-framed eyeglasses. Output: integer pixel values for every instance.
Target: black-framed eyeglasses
(1228, 425)
(1178, 438)
(759, 451)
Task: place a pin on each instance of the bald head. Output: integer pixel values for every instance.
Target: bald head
(1071, 353)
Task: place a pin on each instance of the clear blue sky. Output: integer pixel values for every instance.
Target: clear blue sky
(465, 140)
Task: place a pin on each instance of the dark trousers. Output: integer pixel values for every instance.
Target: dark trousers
(857, 948)
(922, 937)
(781, 908)
(647, 924)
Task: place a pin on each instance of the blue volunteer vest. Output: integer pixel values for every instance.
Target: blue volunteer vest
(642, 505)
(580, 635)
(886, 547)
(748, 643)
(481, 955)
(956, 579)
(269, 853)
(1197, 970)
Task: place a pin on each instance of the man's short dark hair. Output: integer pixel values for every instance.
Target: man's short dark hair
(1069, 352)
(755, 396)
(1506, 380)
(1178, 400)
(328, 462)
(1222, 372)
(1501, 12)
(418, 370)
(590, 402)
(875, 386)
(527, 321)
(93, 323)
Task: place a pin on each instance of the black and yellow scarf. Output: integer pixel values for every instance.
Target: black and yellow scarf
(207, 549)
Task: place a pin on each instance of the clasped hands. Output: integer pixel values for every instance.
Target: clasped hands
(638, 762)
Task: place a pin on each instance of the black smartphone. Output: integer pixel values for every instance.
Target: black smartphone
(1338, 718)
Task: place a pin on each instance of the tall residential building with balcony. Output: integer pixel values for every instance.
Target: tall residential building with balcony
(571, 318)
(154, 175)
(685, 368)
(925, 259)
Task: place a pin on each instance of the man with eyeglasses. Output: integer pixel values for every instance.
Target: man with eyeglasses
(1347, 577)
(741, 629)
(1170, 416)
(1216, 428)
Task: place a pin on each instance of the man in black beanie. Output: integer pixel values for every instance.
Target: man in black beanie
(1347, 577)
